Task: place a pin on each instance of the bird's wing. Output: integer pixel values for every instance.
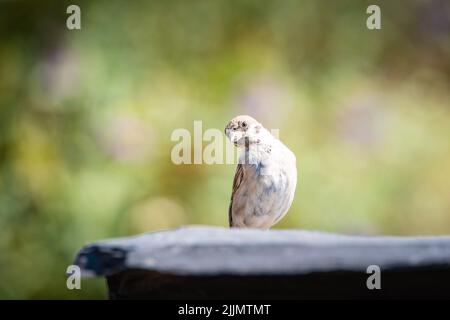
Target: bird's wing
(238, 178)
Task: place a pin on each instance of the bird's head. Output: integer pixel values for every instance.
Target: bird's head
(243, 128)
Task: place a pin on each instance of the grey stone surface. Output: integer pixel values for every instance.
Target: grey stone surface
(215, 251)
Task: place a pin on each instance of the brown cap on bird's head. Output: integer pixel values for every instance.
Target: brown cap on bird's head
(243, 127)
(242, 122)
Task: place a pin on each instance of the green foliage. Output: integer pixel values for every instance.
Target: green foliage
(86, 117)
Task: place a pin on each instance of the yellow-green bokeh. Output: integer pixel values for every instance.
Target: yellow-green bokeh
(86, 118)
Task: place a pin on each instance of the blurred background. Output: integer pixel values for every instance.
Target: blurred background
(86, 118)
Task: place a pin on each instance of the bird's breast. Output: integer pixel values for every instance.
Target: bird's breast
(269, 185)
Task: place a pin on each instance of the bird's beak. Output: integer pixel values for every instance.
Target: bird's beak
(235, 136)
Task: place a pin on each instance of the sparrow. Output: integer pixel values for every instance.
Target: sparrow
(266, 176)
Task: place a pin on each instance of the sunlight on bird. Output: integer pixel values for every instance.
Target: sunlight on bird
(266, 176)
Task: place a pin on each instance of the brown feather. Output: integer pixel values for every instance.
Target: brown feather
(238, 177)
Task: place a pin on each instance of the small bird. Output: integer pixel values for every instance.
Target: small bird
(265, 179)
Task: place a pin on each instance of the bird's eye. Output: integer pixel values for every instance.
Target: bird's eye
(234, 128)
(244, 124)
